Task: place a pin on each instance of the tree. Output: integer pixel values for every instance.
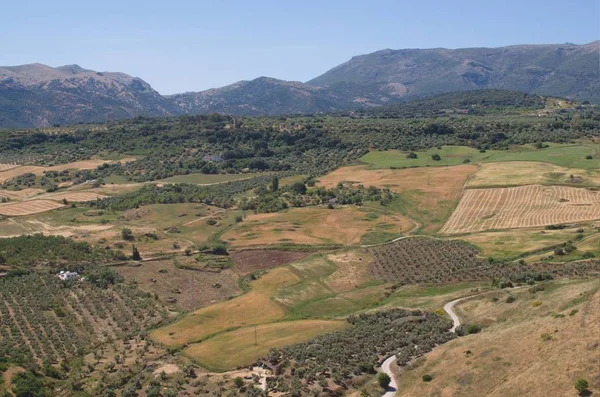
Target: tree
(581, 385)
(411, 155)
(275, 184)
(383, 380)
(238, 382)
(436, 157)
(298, 188)
(136, 254)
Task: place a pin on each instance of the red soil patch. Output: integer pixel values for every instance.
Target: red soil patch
(249, 261)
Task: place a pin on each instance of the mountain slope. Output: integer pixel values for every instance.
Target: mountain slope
(565, 70)
(260, 96)
(38, 95)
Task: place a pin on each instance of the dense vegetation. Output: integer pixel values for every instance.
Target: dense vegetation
(333, 360)
(305, 145)
(477, 102)
(24, 251)
(421, 260)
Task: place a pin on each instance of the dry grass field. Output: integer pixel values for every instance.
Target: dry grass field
(20, 170)
(426, 194)
(28, 207)
(20, 194)
(513, 173)
(191, 289)
(73, 196)
(519, 207)
(250, 261)
(252, 308)
(539, 345)
(237, 348)
(311, 226)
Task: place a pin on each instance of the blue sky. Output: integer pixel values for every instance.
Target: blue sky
(181, 46)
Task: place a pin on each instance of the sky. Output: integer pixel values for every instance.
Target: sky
(179, 46)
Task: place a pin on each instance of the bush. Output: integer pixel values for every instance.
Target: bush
(211, 221)
(427, 378)
(126, 234)
(219, 249)
(581, 385)
(383, 380)
(411, 155)
(436, 157)
(238, 218)
(238, 382)
(473, 329)
(588, 157)
(510, 299)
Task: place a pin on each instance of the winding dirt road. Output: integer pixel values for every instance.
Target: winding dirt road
(386, 365)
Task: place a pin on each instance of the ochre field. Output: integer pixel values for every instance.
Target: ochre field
(237, 348)
(525, 206)
(312, 226)
(28, 207)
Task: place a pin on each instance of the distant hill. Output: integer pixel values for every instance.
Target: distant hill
(39, 95)
(262, 96)
(564, 70)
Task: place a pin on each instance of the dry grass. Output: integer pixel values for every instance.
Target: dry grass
(526, 206)
(6, 167)
(28, 207)
(20, 194)
(523, 350)
(427, 194)
(16, 171)
(352, 271)
(254, 307)
(191, 288)
(512, 173)
(309, 226)
(70, 196)
(237, 348)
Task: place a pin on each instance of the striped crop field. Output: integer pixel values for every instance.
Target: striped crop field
(524, 206)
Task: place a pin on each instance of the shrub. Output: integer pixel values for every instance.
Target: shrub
(473, 329)
(588, 157)
(436, 157)
(411, 155)
(211, 221)
(536, 303)
(383, 380)
(510, 299)
(238, 218)
(427, 378)
(581, 385)
(238, 382)
(126, 234)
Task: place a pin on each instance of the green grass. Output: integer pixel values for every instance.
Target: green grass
(116, 180)
(572, 156)
(204, 179)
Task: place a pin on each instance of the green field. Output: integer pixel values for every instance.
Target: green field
(203, 179)
(559, 154)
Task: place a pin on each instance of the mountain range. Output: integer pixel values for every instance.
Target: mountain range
(37, 95)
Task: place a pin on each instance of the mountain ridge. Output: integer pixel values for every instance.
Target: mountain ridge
(40, 95)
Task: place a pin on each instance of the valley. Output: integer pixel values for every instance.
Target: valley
(291, 256)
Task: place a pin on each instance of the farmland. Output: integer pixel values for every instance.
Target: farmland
(315, 246)
(29, 207)
(41, 320)
(515, 173)
(427, 195)
(527, 206)
(571, 156)
(314, 226)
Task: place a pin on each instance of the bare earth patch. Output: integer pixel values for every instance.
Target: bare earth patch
(525, 206)
(191, 289)
(352, 270)
(249, 261)
(70, 196)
